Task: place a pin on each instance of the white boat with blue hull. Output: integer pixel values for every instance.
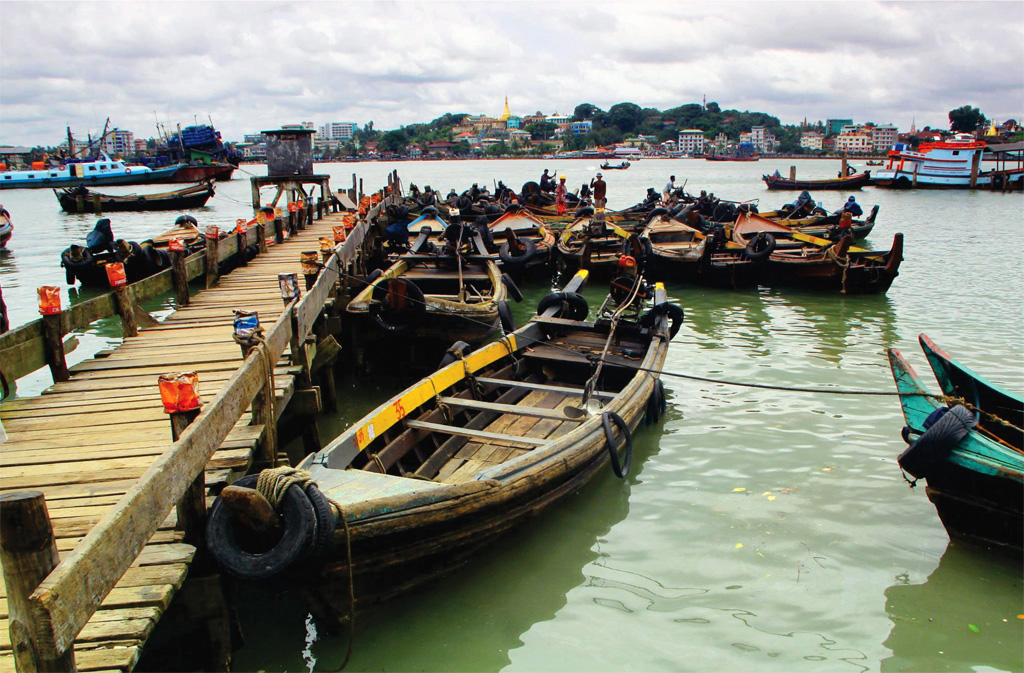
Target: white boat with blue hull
(103, 171)
(949, 164)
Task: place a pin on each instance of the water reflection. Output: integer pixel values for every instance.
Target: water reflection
(966, 615)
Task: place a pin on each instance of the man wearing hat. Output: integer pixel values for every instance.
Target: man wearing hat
(560, 194)
(853, 207)
(600, 188)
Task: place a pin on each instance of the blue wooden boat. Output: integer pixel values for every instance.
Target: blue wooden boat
(970, 455)
(103, 171)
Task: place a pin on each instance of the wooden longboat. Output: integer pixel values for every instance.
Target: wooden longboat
(855, 181)
(194, 196)
(973, 477)
(444, 295)
(528, 247)
(681, 253)
(457, 459)
(819, 263)
(956, 380)
(599, 252)
(822, 225)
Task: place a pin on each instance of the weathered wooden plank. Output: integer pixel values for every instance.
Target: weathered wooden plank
(478, 434)
(520, 410)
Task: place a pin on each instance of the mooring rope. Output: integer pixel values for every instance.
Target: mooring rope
(273, 483)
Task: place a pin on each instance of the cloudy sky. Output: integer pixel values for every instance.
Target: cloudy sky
(249, 66)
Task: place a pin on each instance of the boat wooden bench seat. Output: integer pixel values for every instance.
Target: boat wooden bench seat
(350, 486)
(555, 354)
(565, 390)
(476, 434)
(433, 274)
(537, 412)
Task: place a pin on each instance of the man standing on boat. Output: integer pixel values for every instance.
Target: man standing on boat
(560, 193)
(670, 187)
(546, 183)
(600, 188)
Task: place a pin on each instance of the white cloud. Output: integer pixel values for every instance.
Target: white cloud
(256, 65)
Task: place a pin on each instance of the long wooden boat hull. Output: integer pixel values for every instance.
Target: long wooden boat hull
(446, 317)
(684, 254)
(202, 173)
(477, 447)
(183, 199)
(822, 225)
(850, 182)
(821, 264)
(976, 485)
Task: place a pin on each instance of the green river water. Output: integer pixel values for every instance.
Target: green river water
(759, 530)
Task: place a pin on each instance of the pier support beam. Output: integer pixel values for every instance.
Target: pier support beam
(53, 345)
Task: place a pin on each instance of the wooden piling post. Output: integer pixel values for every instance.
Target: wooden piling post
(53, 344)
(179, 276)
(28, 552)
(97, 207)
(360, 189)
(309, 214)
(263, 414)
(261, 237)
(792, 172)
(212, 250)
(843, 167)
(191, 509)
(278, 230)
(126, 307)
(243, 247)
(292, 226)
(80, 204)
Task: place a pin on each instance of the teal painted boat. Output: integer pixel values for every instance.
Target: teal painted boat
(970, 455)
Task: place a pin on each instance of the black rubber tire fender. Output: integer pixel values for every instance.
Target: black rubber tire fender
(937, 441)
(416, 305)
(585, 211)
(657, 212)
(753, 253)
(522, 256)
(508, 322)
(620, 469)
(674, 312)
(188, 219)
(299, 521)
(323, 538)
(513, 289)
(656, 403)
(513, 208)
(429, 210)
(573, 306)
(449, 355)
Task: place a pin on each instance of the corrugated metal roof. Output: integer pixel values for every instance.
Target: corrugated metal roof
(1005, 147)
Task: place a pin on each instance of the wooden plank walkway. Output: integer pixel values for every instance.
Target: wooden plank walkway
(85, 442)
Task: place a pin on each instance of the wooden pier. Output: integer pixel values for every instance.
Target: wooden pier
(125, 493)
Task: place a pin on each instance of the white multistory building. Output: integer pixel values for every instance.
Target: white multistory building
(338, 131)
(812, 140)
(691, 141)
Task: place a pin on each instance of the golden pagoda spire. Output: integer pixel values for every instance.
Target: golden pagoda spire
(506, 114)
